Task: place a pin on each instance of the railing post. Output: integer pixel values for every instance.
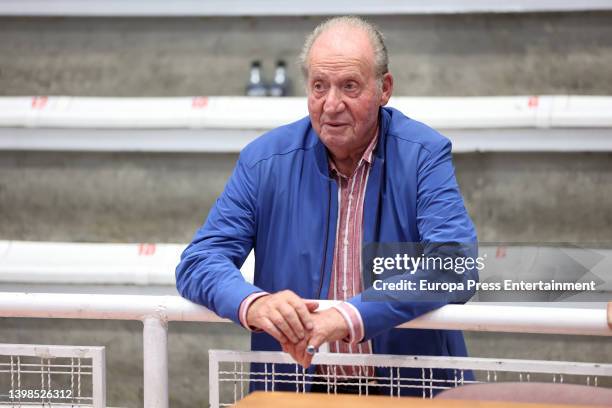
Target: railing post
(213, 379)
(155, 347)
(98, 378)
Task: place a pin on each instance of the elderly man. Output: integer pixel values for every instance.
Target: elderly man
(308, 195)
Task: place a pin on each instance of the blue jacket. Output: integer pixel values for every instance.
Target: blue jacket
(281, 201)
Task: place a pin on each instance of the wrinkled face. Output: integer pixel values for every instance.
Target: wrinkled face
(343, 92)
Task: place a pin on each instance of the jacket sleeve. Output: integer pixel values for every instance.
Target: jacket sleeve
(444, 225)
(208, 272)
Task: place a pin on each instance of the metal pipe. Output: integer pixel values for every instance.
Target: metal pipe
(241, 8)
(98, 379)
(110, 307)
(475, 317)
(155, 363)
(213, 380)
(517, 319)
(76, 263)
(488, 112)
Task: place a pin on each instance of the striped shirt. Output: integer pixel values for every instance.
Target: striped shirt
(346, 279)
(346, 267)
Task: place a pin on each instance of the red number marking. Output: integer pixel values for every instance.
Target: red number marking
(39, 102)
(199, 102)
(533, 102)
(146, 249)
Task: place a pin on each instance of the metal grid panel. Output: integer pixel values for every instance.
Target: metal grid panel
(230, 373)
(52, 376)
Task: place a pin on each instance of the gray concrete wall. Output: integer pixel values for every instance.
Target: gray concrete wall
(483, 54)
(91, 197)
(108, 197)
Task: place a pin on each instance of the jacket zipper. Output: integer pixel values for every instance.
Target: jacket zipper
(324, 261)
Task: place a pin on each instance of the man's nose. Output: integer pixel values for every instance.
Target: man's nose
(333, 101)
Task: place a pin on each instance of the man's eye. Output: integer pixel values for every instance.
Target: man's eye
(350, 86)
(317, 86)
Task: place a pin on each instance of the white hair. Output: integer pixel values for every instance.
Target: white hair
(381, 58)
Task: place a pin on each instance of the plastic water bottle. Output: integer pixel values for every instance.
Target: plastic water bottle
(255, 86)
(280, 85)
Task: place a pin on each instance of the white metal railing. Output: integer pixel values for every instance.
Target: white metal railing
(231, 368)
(226, 124)
(78, 375)
(262, 8)
(70, 263)
(156, 311)
(74, 263)
(519, 140)
(224, 112)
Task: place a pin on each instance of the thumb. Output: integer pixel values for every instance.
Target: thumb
(312, 305)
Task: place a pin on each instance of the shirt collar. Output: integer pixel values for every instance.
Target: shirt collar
(367, 157)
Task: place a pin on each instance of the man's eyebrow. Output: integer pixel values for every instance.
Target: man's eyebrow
(349, 76)
(314, 78)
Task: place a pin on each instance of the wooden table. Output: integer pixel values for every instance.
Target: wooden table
(299, 400)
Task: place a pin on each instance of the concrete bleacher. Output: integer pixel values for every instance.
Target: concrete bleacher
(540, 183)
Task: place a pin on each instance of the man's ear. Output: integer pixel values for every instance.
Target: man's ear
(387, 88)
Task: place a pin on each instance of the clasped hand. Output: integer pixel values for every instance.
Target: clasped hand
(296, 324)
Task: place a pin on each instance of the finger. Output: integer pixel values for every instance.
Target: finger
(304, 356)
(283, 326)
(270, 328)
(312, 305)
(307, 360)
(307, 357)
(291, 316)
(291, 349)
(288, 348)
(315, 342)
(300, 351)
(303, 310)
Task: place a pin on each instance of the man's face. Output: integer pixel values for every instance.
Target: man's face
(343, 92)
